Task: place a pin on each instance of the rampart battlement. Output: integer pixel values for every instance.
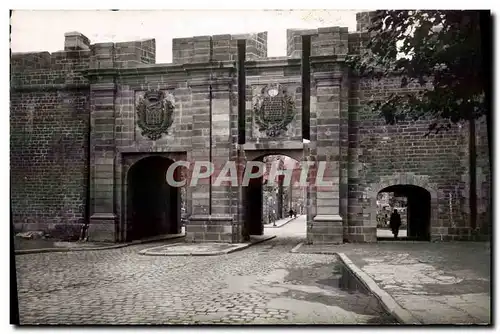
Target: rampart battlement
(80, 54)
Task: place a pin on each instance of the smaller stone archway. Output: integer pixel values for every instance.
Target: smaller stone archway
(153, 207)
(422, 202)
(416, 212)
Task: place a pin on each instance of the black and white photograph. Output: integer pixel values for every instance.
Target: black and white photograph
(250, 167)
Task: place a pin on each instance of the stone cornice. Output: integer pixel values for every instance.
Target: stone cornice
(215, 66)
(169, 69)
(327, 78)
(136, 71)
(278, 62)
(101, 86)
(331, 59)
(262, 80)
(219, 67)
(206, 67)
(205, 82)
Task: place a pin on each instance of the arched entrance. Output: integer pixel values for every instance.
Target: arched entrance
(265, 203)
(413, 204)
(153, 206)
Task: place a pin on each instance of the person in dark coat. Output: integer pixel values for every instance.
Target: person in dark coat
(290, 213)
(395, 223)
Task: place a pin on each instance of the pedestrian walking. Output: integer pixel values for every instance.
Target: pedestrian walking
(395, 223)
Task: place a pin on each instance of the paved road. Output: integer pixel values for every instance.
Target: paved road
(279, 223)
(387, 233)
(294, 232)
(262, 284)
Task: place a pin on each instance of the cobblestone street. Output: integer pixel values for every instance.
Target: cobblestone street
(263, 284)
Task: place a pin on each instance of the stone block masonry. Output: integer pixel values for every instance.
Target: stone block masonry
(50, 128)
(197, 49)
(76, 133)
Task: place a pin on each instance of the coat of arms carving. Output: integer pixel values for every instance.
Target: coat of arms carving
(273, 109)
(155, 113)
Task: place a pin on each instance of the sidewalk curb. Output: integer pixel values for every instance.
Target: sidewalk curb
(224, 252)
(288, 221)
(296, 248)
(397, 311)
(81, 249)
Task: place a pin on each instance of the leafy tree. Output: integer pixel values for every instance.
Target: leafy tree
(445, 53)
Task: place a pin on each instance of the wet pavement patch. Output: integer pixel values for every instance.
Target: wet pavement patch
(344, 280)
(337, 286)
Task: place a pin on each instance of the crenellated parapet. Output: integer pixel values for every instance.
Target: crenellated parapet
(324, 41)
(66, 68)
(79, 54)
(200, 49)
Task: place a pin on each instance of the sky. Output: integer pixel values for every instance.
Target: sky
(43, 30)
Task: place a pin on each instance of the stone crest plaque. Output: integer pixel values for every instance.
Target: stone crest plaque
(273, 109)
(155, 113)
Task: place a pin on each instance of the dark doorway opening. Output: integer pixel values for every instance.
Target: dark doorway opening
(253, 214)
(267, 204)
(154, 206)
(414, 206)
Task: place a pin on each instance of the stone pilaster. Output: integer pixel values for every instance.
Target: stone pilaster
(200, 145)
(327, 223)
(355, 194)
(221, 145)
(344, 151)
(222, 217)
(214, 226)
(102, 161)
(238, 155)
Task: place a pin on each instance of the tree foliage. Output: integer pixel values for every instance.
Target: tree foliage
(439, 52)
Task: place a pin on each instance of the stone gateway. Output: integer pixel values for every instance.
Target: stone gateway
(95, 127)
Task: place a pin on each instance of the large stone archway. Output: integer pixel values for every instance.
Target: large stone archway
(149, 206)
(411, 179)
